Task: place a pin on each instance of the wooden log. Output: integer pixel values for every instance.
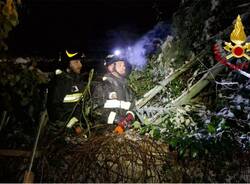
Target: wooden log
(187, 96)
(150, 94)
(28, 177)
(17, 153)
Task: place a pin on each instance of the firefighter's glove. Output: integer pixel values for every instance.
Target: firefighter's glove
(124, 123)
(78, 130)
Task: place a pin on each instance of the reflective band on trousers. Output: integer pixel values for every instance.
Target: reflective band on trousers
(72, 98)
(117, 104)
(111, 117)
(72, 121)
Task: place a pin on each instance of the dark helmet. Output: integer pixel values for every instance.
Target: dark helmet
(112, 58)
(73, 55)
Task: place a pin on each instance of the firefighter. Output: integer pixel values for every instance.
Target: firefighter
(113, 98)
(64, 97)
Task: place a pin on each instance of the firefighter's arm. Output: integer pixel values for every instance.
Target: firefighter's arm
(108, 111)
(130, 115)
(100, 114)
(55, 97)
(122, 119)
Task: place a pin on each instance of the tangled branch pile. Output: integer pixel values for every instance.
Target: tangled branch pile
(106, 158)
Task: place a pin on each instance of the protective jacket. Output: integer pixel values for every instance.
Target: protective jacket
(112, 99)
(64, 97)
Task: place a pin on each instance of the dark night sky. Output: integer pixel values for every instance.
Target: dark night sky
(49, 26)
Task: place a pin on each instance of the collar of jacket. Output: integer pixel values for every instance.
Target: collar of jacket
(74, 76)
(113, 79)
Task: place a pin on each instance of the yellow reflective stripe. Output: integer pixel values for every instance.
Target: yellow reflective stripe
(71, 55)
(72, 98)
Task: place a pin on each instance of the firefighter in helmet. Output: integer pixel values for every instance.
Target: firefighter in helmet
(113, 98)
(64, 97)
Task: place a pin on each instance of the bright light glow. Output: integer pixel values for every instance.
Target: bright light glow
(117, 52)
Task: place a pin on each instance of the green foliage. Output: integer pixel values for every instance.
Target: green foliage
(87, 103)
(205, 146)
(144, 77)
(19, 85)
(8, 19)
(22, 97)
(136, 125)
(176, 88)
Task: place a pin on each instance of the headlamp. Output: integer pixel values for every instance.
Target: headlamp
(117, 52)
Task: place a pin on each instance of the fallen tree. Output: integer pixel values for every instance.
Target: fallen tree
(189, 140)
